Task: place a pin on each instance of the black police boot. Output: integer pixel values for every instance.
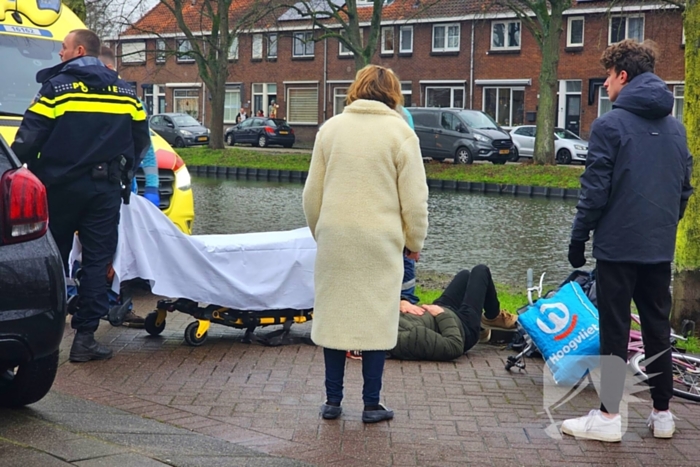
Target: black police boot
(86, 348)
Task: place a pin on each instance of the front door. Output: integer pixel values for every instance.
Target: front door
(573, 113)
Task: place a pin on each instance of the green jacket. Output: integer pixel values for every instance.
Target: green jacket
(427, 338)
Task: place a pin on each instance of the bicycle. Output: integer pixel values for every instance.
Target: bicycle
(686, 368)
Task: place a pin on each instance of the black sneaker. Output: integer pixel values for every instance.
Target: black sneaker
(379, 415)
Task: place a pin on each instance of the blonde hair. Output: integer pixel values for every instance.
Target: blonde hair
(376, 83)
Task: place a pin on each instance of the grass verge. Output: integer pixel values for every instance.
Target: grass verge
(522, 174)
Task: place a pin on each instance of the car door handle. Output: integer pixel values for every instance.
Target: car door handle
(438, 132)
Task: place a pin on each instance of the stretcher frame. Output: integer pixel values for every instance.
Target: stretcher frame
(196, 332)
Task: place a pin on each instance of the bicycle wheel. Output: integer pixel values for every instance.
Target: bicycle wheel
(686, 374)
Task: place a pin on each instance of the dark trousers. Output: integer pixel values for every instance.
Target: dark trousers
(91, 208)
(468, 294)
(372, 369)
(617, 284)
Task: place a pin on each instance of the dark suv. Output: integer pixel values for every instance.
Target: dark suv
(462, 135)
(32, 287)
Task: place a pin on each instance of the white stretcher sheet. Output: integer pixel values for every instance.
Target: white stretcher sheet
(254, 271)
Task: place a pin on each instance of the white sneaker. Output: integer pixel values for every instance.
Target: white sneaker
(661, 424)
(594, 426)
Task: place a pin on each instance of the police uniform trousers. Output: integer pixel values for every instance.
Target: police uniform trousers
(91, 208)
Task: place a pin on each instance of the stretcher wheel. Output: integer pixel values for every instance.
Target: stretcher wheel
(150, 324)
(191, 335)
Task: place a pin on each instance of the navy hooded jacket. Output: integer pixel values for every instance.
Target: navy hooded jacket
(84, 115)
(637, 179)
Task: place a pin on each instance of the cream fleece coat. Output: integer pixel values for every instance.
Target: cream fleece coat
(365, 199)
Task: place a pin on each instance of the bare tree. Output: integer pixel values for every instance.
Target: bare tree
(107, 18)
(210, 34)
(77, 7)
(340, 19)
(544, 19)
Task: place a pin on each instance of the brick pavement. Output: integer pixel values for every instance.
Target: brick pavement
(467, 412)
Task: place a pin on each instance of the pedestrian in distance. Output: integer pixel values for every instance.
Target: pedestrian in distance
(633, 194)
(365, 201)
(91, 131)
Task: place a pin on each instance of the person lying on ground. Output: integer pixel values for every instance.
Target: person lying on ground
(463, 315)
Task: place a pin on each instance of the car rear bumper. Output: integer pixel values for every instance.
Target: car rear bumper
(33, 300)
(281, 139)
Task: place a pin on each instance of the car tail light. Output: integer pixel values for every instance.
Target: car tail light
(270, 130)
(291, 130)
(24, 208)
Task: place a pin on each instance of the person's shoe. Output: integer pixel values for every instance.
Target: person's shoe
(331, 412)
(594, 426)
(484, 336)
(132, 320)
(86, 348)
(354, 354)
(661, 424)
(504, 321)
(379, 415)
(118, 313)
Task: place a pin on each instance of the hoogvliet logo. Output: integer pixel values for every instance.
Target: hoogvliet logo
(558, 320)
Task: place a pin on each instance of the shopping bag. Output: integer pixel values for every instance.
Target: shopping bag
(563, 327)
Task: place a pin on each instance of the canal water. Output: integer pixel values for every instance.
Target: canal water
(509, 234)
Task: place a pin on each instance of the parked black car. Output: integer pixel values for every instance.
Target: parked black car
(32, 287)
(462, 135)
(261, 131)
(180, 130)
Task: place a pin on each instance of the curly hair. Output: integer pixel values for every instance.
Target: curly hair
(630, 56)
(376, 83)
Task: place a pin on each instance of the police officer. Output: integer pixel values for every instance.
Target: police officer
(90, 131)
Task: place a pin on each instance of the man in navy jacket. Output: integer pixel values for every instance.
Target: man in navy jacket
(633, 194)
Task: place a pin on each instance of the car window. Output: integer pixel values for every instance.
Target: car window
(448, 121)
(156, 120)
(425, 118)
(478, 120)
(258, 122)
(167, 120)
(524, 131)
(246, 123)
(565, 134)
(277, 122)
(185, 120)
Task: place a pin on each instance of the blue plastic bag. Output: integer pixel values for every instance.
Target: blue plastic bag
(562, 327)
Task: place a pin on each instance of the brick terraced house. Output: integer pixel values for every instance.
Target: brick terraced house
(453, 54)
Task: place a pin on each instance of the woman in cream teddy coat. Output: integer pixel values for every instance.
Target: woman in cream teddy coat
(365, 200)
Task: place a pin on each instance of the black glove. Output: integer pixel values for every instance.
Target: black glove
(577, 258)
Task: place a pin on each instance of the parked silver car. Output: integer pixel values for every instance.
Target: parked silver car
(568, 147)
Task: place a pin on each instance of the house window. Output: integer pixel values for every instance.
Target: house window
(505, 105)
(264, 94)
(339, 95)
(388, 40)
(233, 50)
(184, 51)
(505, 35)
(604, 104)
(678, 96)
(574, 33)
(160, 51)
(186, 101)
(272, 45)
(302, 106)
(406, 39)
(446, 38)
(134, 52)
(406, 92)
(232, 104)
(303, 44)
(626, 27)
(343, 49)
(445, 96)
(257, 53)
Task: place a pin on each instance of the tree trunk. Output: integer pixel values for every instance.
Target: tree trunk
(686, 284)
(216, 125)
(547, 104)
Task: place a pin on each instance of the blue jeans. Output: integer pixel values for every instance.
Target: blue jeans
(372, 369)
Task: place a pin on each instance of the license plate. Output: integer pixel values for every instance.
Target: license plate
(504, 151)
(202, 138)
(284, 132)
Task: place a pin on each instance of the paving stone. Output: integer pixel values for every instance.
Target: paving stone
(122, 460)
(12, 455)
